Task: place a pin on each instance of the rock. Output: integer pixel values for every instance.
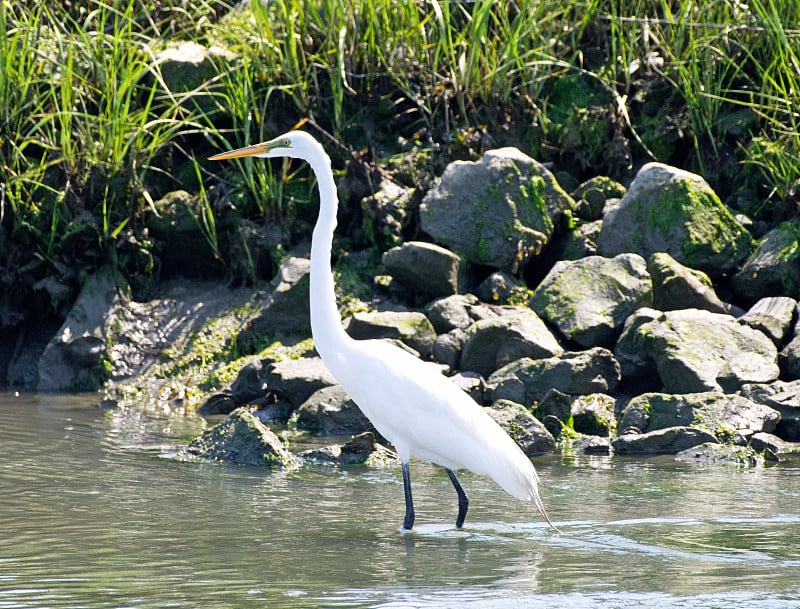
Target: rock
(518, 332)
(184, 252)
(241, 438)
(470, 383)
(497, 288)
(424, 268)
(694, 351)
(581, 241)
(721, 454)
(323, 455)
(187, 66)
(676, 286)
(588, 445)
(297, 379)
(363, 449)
(219, 403)
(773, 315)
(447, 348)
(790, 356)
(588, 300)
(591, 196)
(500, 211)
(286, 309)
(76, 358)
(385, 213)
(411, 328)
(774, 268)
(526, 380)
(772, 446)
(730, 418)
(555, 410)
(674, 211)
(330, 412)
(785, 398)
(452, 312)
(593, 414)
(670, 440)
(250, 383)
(525, 429)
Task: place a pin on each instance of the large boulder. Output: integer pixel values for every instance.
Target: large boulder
(525, 429)
(730, 418)
(675, 211)
(425, 268)
(527, 381)
(411, 328)
(782, 396)
(589, 299)
(518, 332)
(676, 286)
(499, 211)
(773, 315)
(695, 351)
(774, 268)
(286, 309)
(459, 311)
(241, 438)
(330, 412)
(296, 379)
(670, 440)
(77, 357)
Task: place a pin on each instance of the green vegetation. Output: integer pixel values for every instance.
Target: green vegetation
(93, 129)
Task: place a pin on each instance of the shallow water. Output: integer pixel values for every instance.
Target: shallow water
(96, 511)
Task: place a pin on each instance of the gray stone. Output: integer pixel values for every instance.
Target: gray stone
(297, 379)
(774, 267)
(219, 403)
(385, 213)
(250, 383)
(670, 440)
(773, 446)
(525, 429)
(452, 312)
(74, 358)
(497, 288)
(322, 455)
(695, 351)
(588, 300)
(730, 418)
(593, 414)
(447, 348)
(676, 286)
(363, 449)
(286, 309)
(500, 211)
(773, 315)
(518, 332)
(241, 438)
(581, 241)
(785, 398)
(425, 268)
(790, 356)
(526, 380)
(411, 328)
(721, 454)
(330, 412)
(470, 383)
(674, 211)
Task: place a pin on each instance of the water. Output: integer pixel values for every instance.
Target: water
(96, 511)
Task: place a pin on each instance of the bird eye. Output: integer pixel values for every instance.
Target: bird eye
(286, 142)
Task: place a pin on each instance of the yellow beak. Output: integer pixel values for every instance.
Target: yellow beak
(253, 150)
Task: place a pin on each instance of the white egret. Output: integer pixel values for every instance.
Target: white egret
(420, 411)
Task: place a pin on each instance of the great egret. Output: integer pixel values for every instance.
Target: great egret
(420, 411)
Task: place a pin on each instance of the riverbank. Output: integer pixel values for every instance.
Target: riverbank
(128, 266)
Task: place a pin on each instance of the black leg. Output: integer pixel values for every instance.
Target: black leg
(408, 521)
(463, 500)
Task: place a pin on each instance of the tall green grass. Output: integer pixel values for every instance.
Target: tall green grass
(88, 127)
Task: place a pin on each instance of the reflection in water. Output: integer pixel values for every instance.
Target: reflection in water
(96, 513)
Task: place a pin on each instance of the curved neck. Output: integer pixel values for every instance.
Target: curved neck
(326, 323)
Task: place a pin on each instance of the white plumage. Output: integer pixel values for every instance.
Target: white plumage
(421, 412)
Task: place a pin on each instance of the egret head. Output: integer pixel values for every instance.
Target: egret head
(297, 144)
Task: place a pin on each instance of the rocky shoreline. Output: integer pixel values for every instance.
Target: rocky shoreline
(607, 321)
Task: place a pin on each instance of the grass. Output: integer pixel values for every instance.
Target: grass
(90, 132)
